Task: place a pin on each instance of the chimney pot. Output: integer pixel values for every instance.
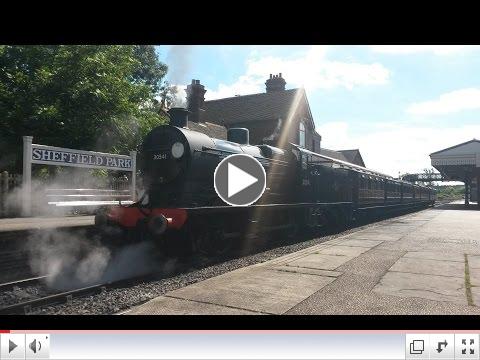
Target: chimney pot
(195, 100)
(275, 83)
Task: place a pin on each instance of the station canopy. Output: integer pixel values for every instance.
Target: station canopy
(460, 162)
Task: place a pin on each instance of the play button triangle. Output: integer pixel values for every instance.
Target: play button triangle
(238, 180)
(11, 346)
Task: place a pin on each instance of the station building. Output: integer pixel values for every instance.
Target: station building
(276, 117)
(461, 163)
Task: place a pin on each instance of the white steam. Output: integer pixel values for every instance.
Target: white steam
(70, 257)
(74, 260)
(50, 190)
(179, 96)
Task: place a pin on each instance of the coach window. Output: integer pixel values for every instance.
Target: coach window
(301, 135)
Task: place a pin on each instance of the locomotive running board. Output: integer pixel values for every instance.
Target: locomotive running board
(393, 205)
(264, 206)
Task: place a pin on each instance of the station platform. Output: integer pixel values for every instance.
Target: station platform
(35, 223)
(426, 262)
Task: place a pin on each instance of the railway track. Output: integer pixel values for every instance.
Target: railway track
(44, 296)
(24, 282)
(48, 298)
(14, 265)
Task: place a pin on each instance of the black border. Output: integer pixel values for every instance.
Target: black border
(201, 22)
(284, 322)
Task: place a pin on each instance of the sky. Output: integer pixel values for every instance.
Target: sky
(396, 103)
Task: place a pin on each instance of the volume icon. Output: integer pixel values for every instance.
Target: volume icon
(35, 346)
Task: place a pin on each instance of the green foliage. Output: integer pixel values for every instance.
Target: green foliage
(450, 192)
(93, 97)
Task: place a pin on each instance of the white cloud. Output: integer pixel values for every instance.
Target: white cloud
(311, 69)
(415, 49)
(455, 101)
(395, 148)
(243, 86)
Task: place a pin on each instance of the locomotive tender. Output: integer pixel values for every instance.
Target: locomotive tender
(305, 191)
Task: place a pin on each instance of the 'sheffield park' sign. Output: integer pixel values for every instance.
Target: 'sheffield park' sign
(51, 155)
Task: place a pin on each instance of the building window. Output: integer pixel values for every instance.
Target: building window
(301, 135)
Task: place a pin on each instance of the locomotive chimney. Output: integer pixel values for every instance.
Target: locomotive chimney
(195, 99)
(275, 83)
(178, 116)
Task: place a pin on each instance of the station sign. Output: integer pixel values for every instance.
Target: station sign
(56, 156)
(49, 155)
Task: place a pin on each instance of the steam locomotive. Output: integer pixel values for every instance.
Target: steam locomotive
(305, 191)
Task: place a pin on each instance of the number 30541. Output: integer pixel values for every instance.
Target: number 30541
(159, 156)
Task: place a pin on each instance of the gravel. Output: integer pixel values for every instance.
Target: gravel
(21, 294)
(119, 299)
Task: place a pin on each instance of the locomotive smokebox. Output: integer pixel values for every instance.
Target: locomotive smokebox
(178, 116)
(238, 135)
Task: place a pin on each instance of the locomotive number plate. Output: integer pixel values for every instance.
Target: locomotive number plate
(160, 156)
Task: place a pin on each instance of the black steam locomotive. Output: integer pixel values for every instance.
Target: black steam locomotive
(305, 191)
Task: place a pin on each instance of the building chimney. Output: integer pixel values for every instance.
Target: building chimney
(275, 83)
(195, 100)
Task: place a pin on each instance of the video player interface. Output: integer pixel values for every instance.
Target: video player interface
(77, 345)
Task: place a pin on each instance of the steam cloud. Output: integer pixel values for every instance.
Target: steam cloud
(73, 178)
(180, 96)
(74, 260)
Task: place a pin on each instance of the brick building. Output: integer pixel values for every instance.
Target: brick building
(276, 117)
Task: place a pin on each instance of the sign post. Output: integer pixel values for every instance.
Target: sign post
(27, 177)
(51, 155)
(133, 156)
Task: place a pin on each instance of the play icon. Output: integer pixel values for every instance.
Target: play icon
(11, 346)
(239, 180)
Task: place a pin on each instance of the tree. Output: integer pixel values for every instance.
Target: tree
(93, 97)
(167, 96)
(429, 173)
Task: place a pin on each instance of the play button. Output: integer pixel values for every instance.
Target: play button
(239, 180)
(11, 346)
